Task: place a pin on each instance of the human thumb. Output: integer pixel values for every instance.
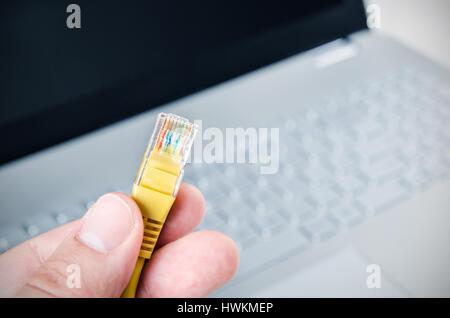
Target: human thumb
(97, 258)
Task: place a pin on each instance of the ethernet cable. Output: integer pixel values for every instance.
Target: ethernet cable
(157, 182)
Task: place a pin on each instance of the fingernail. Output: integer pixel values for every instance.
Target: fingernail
(107, 224)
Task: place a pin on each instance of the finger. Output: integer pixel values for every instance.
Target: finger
(22, 261)
(186, 213)
(192, 266)
(97, 258)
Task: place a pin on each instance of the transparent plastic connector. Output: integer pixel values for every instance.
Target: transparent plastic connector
(172, 138)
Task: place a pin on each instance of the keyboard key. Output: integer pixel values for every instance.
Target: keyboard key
(318, 229)
(211, 221)
(302, 207)
(267, 225)
(384, 166)
(10, 236)
(61, 218)
(416, 178)
(381, 197)
(39, 224)
(3, 244)
(262, 253)
(73, 211)
(352, 181)
(326, 194)
(347, 216)
(89, 203)
(244, 236)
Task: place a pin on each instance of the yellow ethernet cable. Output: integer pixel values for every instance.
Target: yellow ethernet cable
(157, 182)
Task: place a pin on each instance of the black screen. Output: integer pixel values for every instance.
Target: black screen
(130, 56)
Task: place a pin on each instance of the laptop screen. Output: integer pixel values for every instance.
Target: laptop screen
(59, 82)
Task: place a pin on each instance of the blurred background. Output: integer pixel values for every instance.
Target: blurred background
(420, 24)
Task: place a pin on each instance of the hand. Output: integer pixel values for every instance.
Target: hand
(104, 245)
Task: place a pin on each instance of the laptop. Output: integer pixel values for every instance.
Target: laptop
(358, 204)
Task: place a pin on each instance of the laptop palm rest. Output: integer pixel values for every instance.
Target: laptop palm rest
(342, 274)
(411, 243)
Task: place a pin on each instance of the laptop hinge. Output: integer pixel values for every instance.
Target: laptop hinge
(334, 52)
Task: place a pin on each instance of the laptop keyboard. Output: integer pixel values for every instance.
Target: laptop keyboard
(341, 162)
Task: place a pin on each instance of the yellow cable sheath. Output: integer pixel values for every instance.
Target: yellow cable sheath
(130, 290)
(150, 237)
(154, 206)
